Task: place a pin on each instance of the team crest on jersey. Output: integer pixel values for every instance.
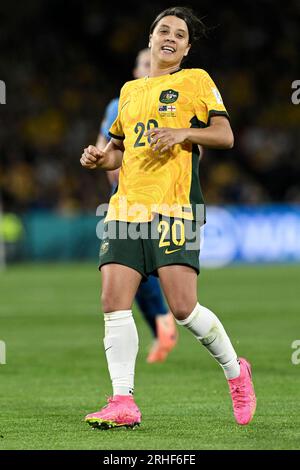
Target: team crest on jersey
(168, 96)
(104, 247)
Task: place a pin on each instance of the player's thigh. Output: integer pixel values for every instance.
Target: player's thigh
(179, 283)
(119, 286)
(121, 261)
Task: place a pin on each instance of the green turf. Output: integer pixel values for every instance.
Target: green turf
(56, 371)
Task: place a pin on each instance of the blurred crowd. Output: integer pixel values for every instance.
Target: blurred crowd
(63, 61)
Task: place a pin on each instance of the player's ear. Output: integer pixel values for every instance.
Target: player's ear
(149, 44)
(187, 50)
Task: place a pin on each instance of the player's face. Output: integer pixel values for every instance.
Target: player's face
(142, 67)
(170, 40)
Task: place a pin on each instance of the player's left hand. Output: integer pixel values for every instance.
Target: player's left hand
(163, 138)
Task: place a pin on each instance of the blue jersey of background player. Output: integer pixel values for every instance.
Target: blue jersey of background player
(149, 296)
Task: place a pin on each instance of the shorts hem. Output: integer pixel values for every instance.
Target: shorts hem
(172, 263)
(144, 275)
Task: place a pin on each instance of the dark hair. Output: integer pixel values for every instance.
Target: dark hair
(196, 27)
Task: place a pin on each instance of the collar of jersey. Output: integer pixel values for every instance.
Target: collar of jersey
(165, 75)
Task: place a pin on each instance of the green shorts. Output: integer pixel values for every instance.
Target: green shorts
(148, 246)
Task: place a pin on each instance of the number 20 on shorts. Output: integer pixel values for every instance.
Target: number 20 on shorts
(177, 227)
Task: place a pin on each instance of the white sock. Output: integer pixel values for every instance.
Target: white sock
(121, 347)
(210, 332)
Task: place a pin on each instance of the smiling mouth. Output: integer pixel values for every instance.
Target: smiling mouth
(168, 49)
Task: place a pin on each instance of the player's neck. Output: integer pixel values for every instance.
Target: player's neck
(157, 70)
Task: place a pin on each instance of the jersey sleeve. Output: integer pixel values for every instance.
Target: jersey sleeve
(208, 102)
(116, 129)
(111, 112)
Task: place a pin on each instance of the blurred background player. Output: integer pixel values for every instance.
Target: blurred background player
(149, 296)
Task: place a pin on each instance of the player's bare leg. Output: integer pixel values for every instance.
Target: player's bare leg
(119, 286)
(179, 284)
(180, 287)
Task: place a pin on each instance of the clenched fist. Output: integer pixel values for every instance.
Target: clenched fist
(92, 157)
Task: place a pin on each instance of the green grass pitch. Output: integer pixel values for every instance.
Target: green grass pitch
(55, 371)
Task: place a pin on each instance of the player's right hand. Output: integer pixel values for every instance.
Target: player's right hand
(92, 157)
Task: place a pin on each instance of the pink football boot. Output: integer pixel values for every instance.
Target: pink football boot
(242, 394)
(121, 410)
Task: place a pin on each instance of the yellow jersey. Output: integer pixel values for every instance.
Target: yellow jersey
(168, 183)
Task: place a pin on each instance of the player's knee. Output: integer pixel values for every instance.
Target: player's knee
(113, 301)
(108, 302)
(182, 307)
(180, 311)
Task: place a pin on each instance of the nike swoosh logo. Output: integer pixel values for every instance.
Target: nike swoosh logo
(168, 252)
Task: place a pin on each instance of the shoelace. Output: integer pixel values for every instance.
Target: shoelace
(109, 401)
(113, 400)
(238, 395)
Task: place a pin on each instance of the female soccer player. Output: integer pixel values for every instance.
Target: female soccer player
(153, 220)
(149, 296)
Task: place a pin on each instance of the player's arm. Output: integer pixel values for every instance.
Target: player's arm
(112, 175)
(217, 135)
(110, 158)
